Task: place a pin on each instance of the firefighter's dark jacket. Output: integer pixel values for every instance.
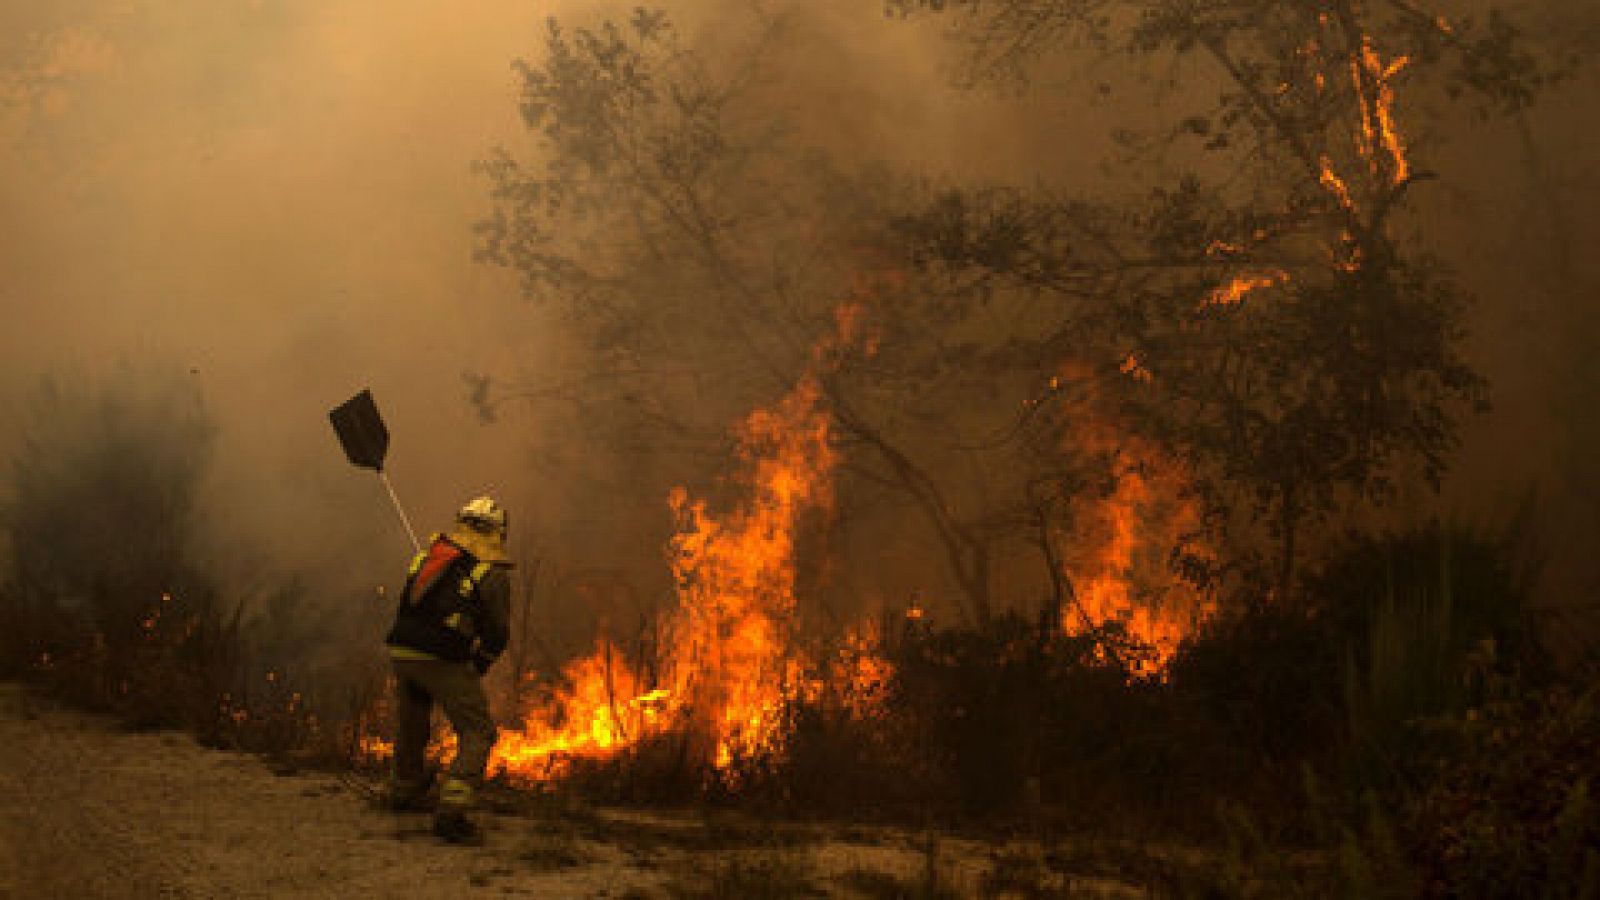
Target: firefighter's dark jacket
(467, 615)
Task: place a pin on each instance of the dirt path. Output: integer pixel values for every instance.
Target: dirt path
(89, 811)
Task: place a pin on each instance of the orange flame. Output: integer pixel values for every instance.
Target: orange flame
(598, 711)
(1378, 140)
(1124, 579)
(729, 666)
(734, 664)
(1118, 564)
(1131, 367)
(862, 673)
(1233, 293)
(1377, 109)
(1336, 185)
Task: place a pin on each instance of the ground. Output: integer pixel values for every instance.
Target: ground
(90, 810)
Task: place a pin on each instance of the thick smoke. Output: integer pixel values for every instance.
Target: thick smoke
(278, 197)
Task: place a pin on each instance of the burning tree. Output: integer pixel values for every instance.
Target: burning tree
(699, 257)
(1158, 397)
(1259, 315)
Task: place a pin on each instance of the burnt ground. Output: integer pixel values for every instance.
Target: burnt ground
(91, 810)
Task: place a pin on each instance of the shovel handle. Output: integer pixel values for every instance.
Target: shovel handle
(404, 519)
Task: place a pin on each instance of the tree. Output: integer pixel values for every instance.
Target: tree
(1272, 325)
(700, 258)
(1254, 342)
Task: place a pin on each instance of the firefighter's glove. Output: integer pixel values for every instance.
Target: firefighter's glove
(481, 662)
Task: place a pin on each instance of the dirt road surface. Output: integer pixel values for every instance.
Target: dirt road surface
(88, 810)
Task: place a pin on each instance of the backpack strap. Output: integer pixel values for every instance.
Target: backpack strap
(467, 588)
(469, 584)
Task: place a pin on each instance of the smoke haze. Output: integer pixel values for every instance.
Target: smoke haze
(277, 196)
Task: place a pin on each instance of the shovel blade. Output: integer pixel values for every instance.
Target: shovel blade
(361, 431)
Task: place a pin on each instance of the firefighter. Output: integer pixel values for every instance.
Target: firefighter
(450, 627)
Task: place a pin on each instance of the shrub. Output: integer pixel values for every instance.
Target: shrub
(1423, 618)
(105, 600)
(1269, 678)
(1509, 808)
(1011, 715)
(1474, 573)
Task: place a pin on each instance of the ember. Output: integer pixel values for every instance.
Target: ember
(1232, 293)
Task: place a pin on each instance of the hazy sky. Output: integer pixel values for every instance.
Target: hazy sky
(278, 195)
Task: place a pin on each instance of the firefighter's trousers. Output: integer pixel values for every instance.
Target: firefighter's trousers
(455, 686)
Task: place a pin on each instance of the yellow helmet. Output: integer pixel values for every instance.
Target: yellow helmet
(483, 514)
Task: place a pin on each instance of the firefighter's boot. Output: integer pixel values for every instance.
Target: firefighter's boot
(451, 821)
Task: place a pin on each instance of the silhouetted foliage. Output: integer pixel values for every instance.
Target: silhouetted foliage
(1272, 326)
(1509, 808)
(690, 247)
(106, 598)
(1253, 310)
(1270, 678)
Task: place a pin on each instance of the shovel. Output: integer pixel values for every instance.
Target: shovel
(366, 442)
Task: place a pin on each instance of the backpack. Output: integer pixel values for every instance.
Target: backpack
(439, 604)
